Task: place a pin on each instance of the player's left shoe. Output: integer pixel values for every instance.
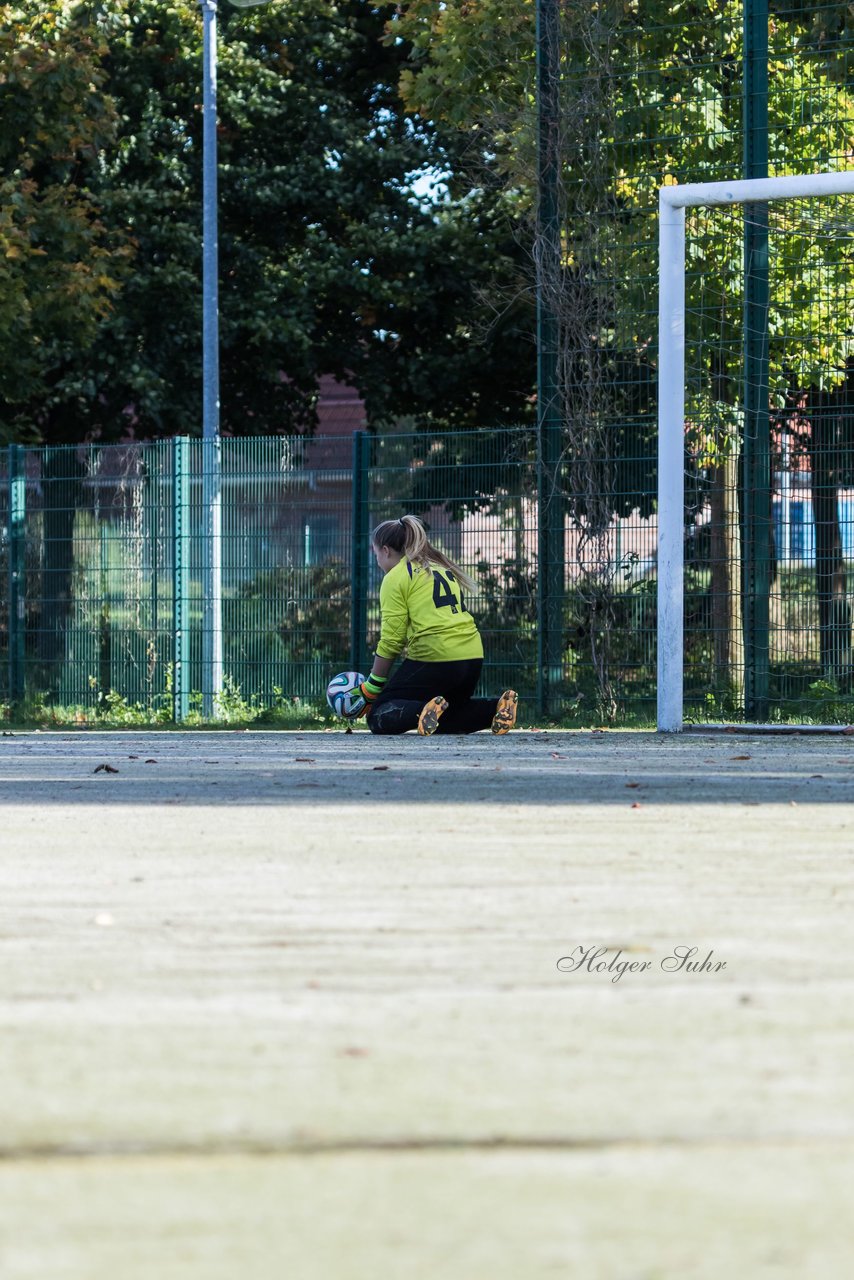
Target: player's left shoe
(505, 713)
(431, 713)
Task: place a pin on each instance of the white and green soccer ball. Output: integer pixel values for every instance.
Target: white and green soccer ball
(342, 692)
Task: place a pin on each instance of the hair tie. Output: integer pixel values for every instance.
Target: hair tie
(400, 521)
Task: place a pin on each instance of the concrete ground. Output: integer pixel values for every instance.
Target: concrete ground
(310, 1006)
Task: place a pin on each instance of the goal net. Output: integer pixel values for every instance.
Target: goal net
(756, 452)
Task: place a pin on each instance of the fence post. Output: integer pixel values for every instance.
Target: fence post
(17, 583)
(757, 431)
(550, 519)
(180, 578)
(212, 673)
(359, 538)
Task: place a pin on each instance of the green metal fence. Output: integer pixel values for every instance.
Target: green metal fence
(102, 562)
(102, 606)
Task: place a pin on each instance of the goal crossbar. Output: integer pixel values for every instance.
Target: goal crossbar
(673, 201)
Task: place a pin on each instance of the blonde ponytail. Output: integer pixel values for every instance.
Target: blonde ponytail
(409, 537)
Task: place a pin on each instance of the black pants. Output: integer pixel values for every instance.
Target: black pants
(399, 705)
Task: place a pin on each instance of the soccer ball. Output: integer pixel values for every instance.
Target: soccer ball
(341, 690)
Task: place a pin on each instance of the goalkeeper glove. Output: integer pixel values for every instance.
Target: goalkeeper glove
(370, 690)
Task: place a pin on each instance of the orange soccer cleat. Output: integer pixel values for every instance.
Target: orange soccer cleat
(431, 712)
(505, 713)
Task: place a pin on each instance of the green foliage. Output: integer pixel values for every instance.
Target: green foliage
(329, 261)
(298, 616)
(233, 710)
(668, 106)
(473, 471)
(505, 612)
(61, 265)
(282, 711)
(472, 64)
(114, 711)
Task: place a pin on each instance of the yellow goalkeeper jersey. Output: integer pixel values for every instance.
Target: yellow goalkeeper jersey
(425, 613)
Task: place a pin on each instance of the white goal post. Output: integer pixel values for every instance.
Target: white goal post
(673, 201)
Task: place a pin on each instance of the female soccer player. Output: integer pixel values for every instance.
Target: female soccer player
(423, 609)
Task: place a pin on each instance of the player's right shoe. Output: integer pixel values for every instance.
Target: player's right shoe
(505, 713)
(431, 712)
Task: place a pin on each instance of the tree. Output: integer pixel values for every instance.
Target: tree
(329, 262)
(61, 266)
(649, 94)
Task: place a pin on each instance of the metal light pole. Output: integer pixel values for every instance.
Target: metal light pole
(211, 448)
(211, 455)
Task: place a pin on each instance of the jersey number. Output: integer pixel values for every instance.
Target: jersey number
(443, 596)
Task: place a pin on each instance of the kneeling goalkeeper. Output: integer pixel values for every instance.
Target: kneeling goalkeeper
(423, 610)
